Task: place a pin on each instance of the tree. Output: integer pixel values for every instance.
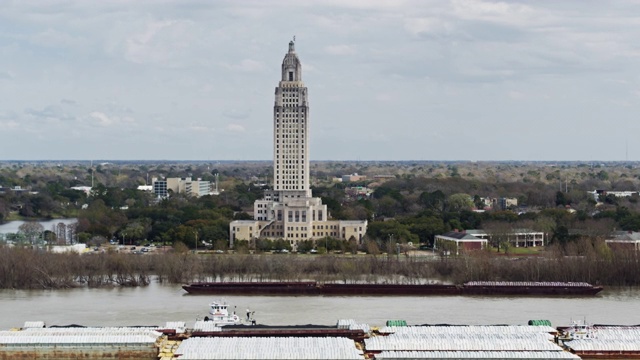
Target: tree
(459, 202)
(372, 247)
(32, 231)
(137, 229)
(305, 246)
(61, 232)
(433, 200)
(562, 199)
(427, 227)
(99, 219)
(499, 233)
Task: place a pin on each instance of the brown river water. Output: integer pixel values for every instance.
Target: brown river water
(157, 304)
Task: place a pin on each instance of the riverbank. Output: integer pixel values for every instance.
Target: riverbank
(25, 268)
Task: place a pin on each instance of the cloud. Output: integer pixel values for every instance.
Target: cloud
(235, 128)
(9, 124)
(516, 95)
(54, 39)
(68, 102)
(428, 27)
(8, 120)
(340, 50)
(7, 75)
(116, 108)
(493, 11)
(50, 113)
(236, 114)
(384, 97)
(200, 128)
(106, 121)
(163, 42)
(246, 65)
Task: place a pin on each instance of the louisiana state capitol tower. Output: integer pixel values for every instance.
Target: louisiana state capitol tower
(289, 211)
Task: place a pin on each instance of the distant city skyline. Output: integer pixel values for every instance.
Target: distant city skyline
(388, 80)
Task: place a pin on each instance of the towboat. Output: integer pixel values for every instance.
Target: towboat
(219, 314)
(579, 330)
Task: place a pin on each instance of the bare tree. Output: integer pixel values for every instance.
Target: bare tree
(499, 233)
(72, 232)
(32, 231)
(61, 232)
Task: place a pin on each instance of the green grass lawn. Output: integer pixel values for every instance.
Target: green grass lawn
(521, 250)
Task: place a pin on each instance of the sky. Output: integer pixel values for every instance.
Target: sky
(387, 79)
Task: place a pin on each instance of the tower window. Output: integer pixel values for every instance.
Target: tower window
(290, 75)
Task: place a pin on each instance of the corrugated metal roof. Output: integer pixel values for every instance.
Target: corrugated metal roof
(33, 324)
(202, 325)
(390, 355)
(464, 338)
(66, 336)
(443, 342)
(268, 348)
(470, 329)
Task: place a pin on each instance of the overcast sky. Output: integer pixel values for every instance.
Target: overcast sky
(388, 80)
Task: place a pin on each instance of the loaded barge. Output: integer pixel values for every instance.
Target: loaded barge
(346, 340)
(469, 288)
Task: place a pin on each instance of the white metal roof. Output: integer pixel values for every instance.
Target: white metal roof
(268, 348)
(390, 355)
(126, 335)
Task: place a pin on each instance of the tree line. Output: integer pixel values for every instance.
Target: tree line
(593, 262)
(422, 201)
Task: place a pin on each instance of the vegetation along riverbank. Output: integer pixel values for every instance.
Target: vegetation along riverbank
(23, 268)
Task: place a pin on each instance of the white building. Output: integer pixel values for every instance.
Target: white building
(289, 211)
(186, 185)
(619, 194)
(517, 237)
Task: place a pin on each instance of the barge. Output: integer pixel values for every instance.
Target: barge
(508, 288)
(347, 340)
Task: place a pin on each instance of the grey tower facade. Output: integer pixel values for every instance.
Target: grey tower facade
(291, 129)
(289, 211)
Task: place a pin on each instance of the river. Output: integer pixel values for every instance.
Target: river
(158, 303)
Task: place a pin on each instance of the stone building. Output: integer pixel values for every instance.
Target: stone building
(289, 211)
